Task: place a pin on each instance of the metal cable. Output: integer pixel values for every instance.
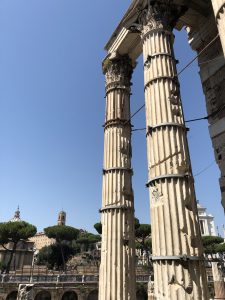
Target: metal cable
(182, 70)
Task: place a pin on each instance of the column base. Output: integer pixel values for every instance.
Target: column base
(219, 287)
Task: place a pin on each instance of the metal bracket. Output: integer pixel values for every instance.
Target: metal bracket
(151, 128)
(166, 176)
(117, 169)
(173, 78)
(119, 122)
(158, 54)
(112, 207)
(111, 89)
(178, 257)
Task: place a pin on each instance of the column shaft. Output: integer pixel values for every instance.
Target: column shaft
(175, 228)
(219, 284)
(117, 270)
(219, 11)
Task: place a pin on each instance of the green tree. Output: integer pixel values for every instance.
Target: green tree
(98, 227)
(62, 234)
(213, 244)
(142, 234)
(51, 256)
(87, 240)
(136, 223)
(220, 248)
(10, 235)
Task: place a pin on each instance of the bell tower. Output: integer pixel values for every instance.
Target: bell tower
(62, 218)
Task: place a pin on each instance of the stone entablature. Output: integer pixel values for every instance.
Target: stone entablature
(126, 40)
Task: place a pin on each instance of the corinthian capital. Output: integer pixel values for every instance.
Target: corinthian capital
(118, 70)
(160, 14)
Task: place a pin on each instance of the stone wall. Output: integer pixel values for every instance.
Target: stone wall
(56, 291)
(212, 73)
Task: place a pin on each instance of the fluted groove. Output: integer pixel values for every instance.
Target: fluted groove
(117, 270)
(175, 228)
(219, 285)
(219, 11)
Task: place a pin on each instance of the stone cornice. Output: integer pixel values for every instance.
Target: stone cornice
(123, 41)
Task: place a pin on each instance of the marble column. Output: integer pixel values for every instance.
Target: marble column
(117, 269)
(179, 271)
(219, 11)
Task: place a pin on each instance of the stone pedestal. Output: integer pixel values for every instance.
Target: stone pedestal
(179, 271)
(219, 11)
(219, 285)
(117, 269)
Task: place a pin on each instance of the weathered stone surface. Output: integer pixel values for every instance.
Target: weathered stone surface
(219, 284)
(219, 10)
(175, 228)
(117, 269)
(25, 292)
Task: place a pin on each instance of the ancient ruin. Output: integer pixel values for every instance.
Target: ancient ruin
(147, 27)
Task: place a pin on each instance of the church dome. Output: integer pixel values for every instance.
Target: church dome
(16, 217)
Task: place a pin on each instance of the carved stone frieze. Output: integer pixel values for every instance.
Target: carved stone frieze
(156, 194)
(118, 70)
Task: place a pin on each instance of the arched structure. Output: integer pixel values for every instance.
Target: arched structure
(93, 295)
(12, 296)
(69, 295)
(43, 295)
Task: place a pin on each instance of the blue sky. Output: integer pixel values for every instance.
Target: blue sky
(52, 111)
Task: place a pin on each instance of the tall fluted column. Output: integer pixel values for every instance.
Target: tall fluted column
(117, 269)
(179, 271)
(219, 11)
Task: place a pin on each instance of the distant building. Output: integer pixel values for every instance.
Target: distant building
(24, 251)
(62, 218)
(16, 217)
(207, 224)
(40, 240)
